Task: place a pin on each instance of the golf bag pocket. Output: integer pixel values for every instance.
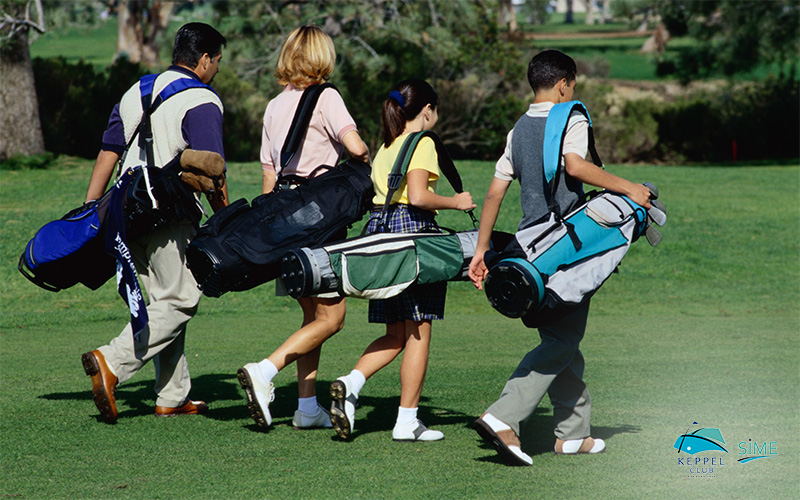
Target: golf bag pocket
(556, 265)
(398, 268)
(68, 251)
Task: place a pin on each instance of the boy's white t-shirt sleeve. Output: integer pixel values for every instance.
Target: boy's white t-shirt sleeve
(577, 138)
(504, 170)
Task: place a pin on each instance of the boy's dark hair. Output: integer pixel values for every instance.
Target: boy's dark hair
(548, 67)
(415, 94)
(193, 40)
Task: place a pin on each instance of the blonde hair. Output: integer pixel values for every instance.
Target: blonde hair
(307, 57)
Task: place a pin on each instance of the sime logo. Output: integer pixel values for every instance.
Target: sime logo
(756, 450)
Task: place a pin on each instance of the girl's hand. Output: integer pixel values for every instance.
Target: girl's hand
(464, 201)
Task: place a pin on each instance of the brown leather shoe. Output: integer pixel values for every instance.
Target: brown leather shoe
(103, 384)
(189, 408)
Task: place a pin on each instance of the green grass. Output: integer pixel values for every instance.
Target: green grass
(702, 328)
(95, 45)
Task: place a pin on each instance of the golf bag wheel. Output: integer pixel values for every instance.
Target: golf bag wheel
(294, 270)
(514, 287)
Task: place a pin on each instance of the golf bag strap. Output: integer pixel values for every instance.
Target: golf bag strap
(400, 168)
(144, 130)
(300, 121)
(555, 132)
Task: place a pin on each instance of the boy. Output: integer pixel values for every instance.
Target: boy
(555, 366)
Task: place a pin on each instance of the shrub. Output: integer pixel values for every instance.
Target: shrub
(75, 102)
(242, 120)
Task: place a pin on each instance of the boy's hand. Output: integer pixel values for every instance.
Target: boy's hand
(477, 269)
(640, 194)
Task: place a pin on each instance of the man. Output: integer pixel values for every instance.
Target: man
(191, 119)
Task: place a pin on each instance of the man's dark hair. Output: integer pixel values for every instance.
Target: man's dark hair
(548, 67)
(193, 40)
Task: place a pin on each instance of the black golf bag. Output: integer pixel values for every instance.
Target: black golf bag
(240, 246)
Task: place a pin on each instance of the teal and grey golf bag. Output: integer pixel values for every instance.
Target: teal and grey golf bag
(557, 264)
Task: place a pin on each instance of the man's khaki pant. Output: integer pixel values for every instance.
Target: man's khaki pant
(172, 301)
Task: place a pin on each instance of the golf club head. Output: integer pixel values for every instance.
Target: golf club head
(653, 236)
(653, 190)
(657, 212)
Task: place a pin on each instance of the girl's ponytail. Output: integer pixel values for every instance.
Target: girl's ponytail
(405, 102)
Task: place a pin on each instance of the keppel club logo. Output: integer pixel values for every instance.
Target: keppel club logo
(705, 439)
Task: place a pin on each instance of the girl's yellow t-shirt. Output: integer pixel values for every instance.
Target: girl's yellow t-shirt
(424, 158)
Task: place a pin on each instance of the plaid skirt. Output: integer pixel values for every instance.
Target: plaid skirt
(418, 302)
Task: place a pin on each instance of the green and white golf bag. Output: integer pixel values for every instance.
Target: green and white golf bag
(379, 266)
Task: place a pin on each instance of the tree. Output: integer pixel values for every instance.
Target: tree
(457, 45)
(141, 27)
(21, 131)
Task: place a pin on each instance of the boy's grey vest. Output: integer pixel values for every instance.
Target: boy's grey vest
(527, 159)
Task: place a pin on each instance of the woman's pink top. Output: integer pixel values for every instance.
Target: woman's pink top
(323, 142)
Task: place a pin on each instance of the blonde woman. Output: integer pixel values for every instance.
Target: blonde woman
(307, 57)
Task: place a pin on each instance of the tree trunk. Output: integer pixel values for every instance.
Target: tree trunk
(568, 16)
(140, 27)
(589, 11)
(508, 15)
(20, 129)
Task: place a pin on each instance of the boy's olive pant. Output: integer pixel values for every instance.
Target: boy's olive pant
(173, 296)
(554, 367)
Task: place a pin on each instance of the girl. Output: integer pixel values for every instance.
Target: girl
(411, 107)
(306, 58)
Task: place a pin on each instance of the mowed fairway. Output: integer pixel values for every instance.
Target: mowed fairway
(704, 328)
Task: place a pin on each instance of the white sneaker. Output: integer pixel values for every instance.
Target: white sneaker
(415, 432)
(580, 446)
(322, 419)
(503, 439)
(343, 408)
(259, 392)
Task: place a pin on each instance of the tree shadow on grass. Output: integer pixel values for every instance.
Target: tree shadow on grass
(537, 435)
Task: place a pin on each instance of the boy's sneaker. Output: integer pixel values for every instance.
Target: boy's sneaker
(259, 392)
(415, 432)
(580, 446)
(322, 419)
(503, 439)
(343, 408)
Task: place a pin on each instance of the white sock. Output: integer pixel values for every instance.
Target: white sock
(268, 370)
(308, 406)
(406, 416)
(495, 424)
(357, 381)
